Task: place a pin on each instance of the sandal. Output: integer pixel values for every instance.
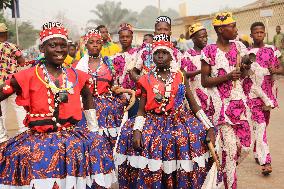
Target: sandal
(266, 169)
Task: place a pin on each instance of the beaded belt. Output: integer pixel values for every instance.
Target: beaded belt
(48, 125)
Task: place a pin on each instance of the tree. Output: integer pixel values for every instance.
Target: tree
(148, 16)
(112, 15)
(73, 31)
(173, 14)
(5, 4)
(27, 34)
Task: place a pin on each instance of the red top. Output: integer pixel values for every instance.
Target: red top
(104, 78)
(34, 95)
(150, 84)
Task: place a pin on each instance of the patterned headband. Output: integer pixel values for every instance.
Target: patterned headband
(162, 40)
(92, 33)
(52, 30)
(224, 18)
(125, 26)
(195, 28)
(163, 19)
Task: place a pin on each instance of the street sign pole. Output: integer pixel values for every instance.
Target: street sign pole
(16, 23)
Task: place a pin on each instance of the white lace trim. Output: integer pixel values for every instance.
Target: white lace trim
(113, 132)
(104, 180)
(167, 166)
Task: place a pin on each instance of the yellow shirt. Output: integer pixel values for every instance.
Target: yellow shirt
(80, 54)
(110, 49)
(68, 60)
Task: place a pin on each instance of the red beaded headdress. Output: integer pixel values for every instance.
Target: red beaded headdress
(125, 26)
(52, 30)
(92, 33)
(163, 41)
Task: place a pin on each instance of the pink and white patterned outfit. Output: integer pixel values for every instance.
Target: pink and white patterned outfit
(261, 91)
(124, 62)
(231, 112)
(191, 62)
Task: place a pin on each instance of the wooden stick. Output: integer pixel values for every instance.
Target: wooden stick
(213, 153)
(238, 65)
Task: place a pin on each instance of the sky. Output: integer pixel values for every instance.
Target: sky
(41, 11)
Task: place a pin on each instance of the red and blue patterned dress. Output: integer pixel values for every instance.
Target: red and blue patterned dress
(50, 155)
(109, 106)
(174, 154)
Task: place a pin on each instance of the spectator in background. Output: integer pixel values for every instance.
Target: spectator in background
(10, 58)
(245, 40)
(278, 37)
(282, 52)
(72, 49)
(148, 38)
(181, 43)
(109, 48)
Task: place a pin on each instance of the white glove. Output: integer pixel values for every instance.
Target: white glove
(204, 119)
(139, 123)
(91, 118)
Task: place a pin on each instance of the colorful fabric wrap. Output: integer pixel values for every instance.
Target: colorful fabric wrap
(195, 28)
(222, 19)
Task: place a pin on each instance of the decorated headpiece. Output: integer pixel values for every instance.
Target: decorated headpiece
(164, 19)
(125, 26)
(52, 30)
(224, 18)
(195, 28)
(163, 41)
(92, 33)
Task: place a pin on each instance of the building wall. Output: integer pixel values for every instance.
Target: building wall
(177, 30)
(244, 20)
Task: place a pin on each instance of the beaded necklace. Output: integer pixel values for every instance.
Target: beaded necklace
(95, 76)
(52, 88)
(164, 100)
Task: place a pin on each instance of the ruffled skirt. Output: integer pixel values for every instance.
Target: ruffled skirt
(110, 112)
(174, 153)
(75, 158)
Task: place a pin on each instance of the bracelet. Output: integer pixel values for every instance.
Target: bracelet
(139, 123)
(91, 118)
(204, 119)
